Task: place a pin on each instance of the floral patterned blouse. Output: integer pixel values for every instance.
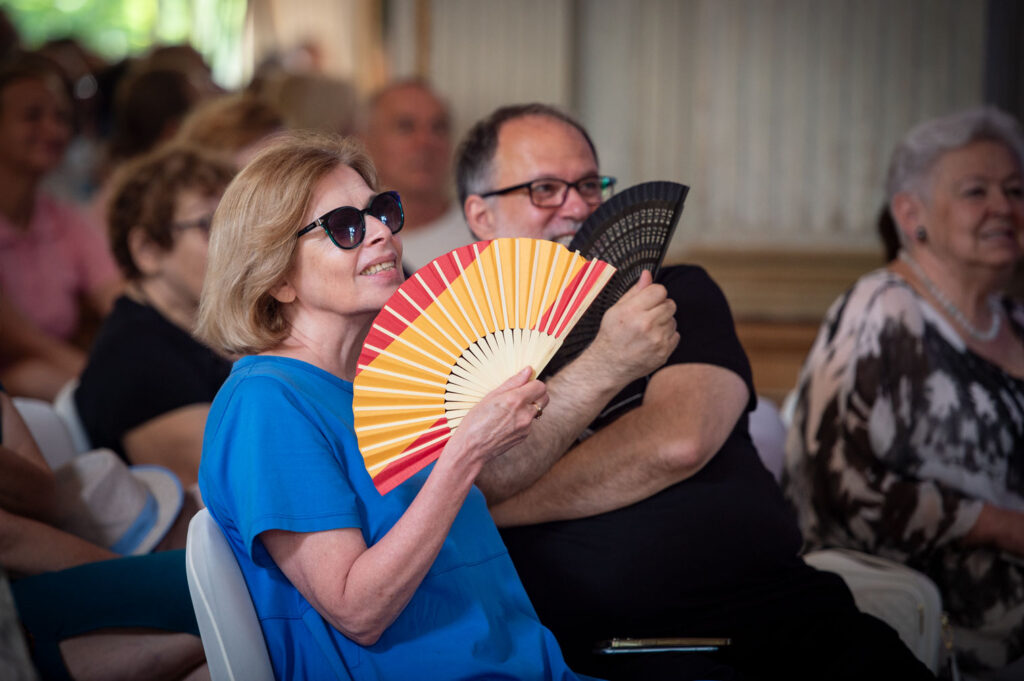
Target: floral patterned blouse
(899, 434)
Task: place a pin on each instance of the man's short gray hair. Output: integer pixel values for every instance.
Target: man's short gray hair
(475, 155)
(921, 148)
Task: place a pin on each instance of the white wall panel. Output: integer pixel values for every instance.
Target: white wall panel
(485, 53)
(780, 114)
(347, 32)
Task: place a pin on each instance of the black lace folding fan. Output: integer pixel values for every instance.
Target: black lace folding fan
(631, 231)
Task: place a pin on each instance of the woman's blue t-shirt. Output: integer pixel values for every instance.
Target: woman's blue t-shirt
(280, 452)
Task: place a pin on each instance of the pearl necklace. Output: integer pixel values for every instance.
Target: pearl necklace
(954, 312)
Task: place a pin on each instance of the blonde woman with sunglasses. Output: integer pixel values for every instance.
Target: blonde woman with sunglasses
(414, 584)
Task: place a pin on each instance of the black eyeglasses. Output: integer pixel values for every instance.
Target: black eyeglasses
(550, 192)
(346, 225)
(202, 223)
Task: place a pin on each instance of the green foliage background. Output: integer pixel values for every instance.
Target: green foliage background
(115, 29)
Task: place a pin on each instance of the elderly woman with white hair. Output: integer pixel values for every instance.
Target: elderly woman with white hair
(908, 434)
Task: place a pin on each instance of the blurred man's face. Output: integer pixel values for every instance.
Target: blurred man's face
(532, 148)
(409, 139)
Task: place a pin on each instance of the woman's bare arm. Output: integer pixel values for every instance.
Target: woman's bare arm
(360, 589)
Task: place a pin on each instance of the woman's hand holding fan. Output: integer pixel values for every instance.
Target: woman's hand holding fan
(500, 421)
(455, 331)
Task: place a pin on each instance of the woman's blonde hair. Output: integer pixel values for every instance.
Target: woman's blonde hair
(253, 237)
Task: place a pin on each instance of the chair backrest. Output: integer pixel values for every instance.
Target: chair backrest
(15, 661)
(48, 430)
(769, 435)
(64, 403)
(231, 633)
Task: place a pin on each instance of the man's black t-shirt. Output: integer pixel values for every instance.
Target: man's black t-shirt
(642, 570)
(142, 366)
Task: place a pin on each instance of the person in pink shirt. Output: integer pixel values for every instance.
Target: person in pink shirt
(52, 258)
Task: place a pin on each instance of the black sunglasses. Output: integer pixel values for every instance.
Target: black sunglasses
(346, 225)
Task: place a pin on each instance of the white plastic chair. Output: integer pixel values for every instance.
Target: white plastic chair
(48, 430)
(228, 625)
(768, 432)
(905, 599)
(64, 403)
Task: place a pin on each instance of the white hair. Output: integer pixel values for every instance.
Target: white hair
(921, 148)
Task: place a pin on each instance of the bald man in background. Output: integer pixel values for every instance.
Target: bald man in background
(408, 135)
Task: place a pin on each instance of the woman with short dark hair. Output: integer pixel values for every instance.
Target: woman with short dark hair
(147, 387)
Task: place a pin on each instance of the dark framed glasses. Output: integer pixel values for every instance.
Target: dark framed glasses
(201, 223)
(551, 192)
(346, 225)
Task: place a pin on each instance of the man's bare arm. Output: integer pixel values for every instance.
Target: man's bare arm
(577, 394)
(687, 413)
(637, 335)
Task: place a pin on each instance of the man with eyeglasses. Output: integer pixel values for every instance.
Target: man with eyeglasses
(638, 506)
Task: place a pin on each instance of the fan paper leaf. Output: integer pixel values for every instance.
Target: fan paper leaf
(453, 332)
(630, 231)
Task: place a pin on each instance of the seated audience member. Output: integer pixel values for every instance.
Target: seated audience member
(414, 584)
(148, 384)
(187, 60)
(408, 135)
(237, 125)
(909, 423)
(149, 103)
(75, 179)
(87, 612)
(638, 506)
(312, 101)
(51, 256)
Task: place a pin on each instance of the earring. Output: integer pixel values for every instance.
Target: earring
(920, 234)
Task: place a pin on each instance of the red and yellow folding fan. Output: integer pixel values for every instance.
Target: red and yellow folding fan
(457, 329)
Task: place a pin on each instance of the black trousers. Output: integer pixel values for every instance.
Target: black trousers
(800, 626)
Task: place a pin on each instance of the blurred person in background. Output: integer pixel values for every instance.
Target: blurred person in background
(303, 59)
(188, 61)
(52, 258)
(908, 432)
(408, 135)
(149, 105)
(151, 99)
(77, 178)
(237, 125)
(87, 612)
(312, 101)
(148, 384)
